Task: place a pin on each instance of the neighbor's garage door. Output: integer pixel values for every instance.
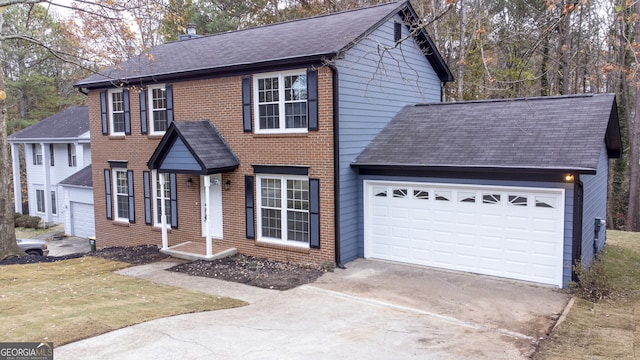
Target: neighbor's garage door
(501, 231)
(82, 224)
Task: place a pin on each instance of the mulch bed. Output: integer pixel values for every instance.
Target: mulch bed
(249, 270)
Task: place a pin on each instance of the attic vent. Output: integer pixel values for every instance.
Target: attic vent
(191, 33)
(397, 31)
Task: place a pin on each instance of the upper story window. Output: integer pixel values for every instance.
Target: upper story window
(158, 109)
(71, 155)
(116, 112)
(36, 151)
(281, 102)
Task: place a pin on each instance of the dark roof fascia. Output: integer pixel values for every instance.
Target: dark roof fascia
(471, 169)
(65, 140)
(205, 172)
(613, 138)
(208, 73)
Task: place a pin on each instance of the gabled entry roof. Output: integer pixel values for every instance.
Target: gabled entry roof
(303, 41)
(193, 147)
(563, 133)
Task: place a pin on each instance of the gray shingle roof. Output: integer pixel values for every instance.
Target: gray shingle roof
(81, 178)
(564, 133)
(203, 141)
(69, 123)
(299, 40)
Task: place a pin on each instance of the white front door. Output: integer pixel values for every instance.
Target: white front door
(215, 198)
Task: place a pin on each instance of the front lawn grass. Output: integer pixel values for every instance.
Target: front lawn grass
(607, 329)
(69, 300)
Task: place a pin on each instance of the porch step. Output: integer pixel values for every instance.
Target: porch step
(197, 251)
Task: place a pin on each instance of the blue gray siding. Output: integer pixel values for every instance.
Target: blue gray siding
(179, 158)
(568, 211)
(594, 206)
(372, 87)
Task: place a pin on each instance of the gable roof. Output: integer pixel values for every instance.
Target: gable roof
(81, 179)
(193, 147)
(295, 42)
(562, 133)
(63, 126)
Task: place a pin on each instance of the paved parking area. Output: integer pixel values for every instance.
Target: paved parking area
(371, 310)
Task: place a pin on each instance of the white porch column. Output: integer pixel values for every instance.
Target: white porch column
(46, 170)
(17, 189)
(207, 214)
(163, 214)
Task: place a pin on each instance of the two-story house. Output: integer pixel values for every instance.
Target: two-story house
(261, 141)
(56, 149)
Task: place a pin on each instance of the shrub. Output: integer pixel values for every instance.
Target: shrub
(27, 221)
(594, 283)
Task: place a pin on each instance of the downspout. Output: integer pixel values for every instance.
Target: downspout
(442, 85)
(336, 168)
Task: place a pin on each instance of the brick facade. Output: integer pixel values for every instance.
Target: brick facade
(218, 100)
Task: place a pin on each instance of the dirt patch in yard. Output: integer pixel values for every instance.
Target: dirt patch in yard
(264, 273)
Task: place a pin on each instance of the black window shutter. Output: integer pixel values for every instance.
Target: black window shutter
(147, 197)
(69, 154)
(132, 215)
(248, 205)
(107, 192)
(174, 201)
(127, 112)
(246, 104)
(143, 111)
(51, 155)
(314, 213)
(312, 98)
(33, 154)
(169, 92)
(397, 31)
(103, 112)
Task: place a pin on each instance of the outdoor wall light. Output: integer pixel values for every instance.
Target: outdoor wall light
(189, 182)
(227, 185)
(568, 178)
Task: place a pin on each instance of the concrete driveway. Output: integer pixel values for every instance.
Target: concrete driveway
(371, 310)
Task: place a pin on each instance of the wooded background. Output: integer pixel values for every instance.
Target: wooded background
(495, 49)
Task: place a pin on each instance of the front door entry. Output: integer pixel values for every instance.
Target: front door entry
(215, 198)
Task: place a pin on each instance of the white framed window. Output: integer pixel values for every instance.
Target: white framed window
(283, 215)
(71, 155)
(36, 151)
(159, 197)
(280, 102)
(40, 206)
(157, 99)
(121, 194)
(116, 112)
(54, 203)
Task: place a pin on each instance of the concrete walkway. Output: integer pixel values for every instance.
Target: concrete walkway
(372, 310)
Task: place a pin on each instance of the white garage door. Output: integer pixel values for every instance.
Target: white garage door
(501, 231)
(82, 224)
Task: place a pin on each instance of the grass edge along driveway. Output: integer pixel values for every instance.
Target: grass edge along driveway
(609, 328)
(70, 300)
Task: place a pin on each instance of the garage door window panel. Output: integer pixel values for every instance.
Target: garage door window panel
(545, 202)
(421, 194)
(491, 199)
(467, 197)
(443, 195)
(380, 192)
(518, 200)
(400, 193)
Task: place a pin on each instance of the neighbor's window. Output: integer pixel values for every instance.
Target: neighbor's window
(121, 191)
(36, 151)
(281, 102)
(40, 201)
(284, 209)
(54, 203)
(71, 154)
(158, 109)
(116, 111)
(160, 196)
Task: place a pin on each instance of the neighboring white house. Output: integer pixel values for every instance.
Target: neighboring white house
(56, 150)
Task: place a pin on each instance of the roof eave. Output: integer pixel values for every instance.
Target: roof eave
(61, 140)
(491, 169)
(228, 70)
